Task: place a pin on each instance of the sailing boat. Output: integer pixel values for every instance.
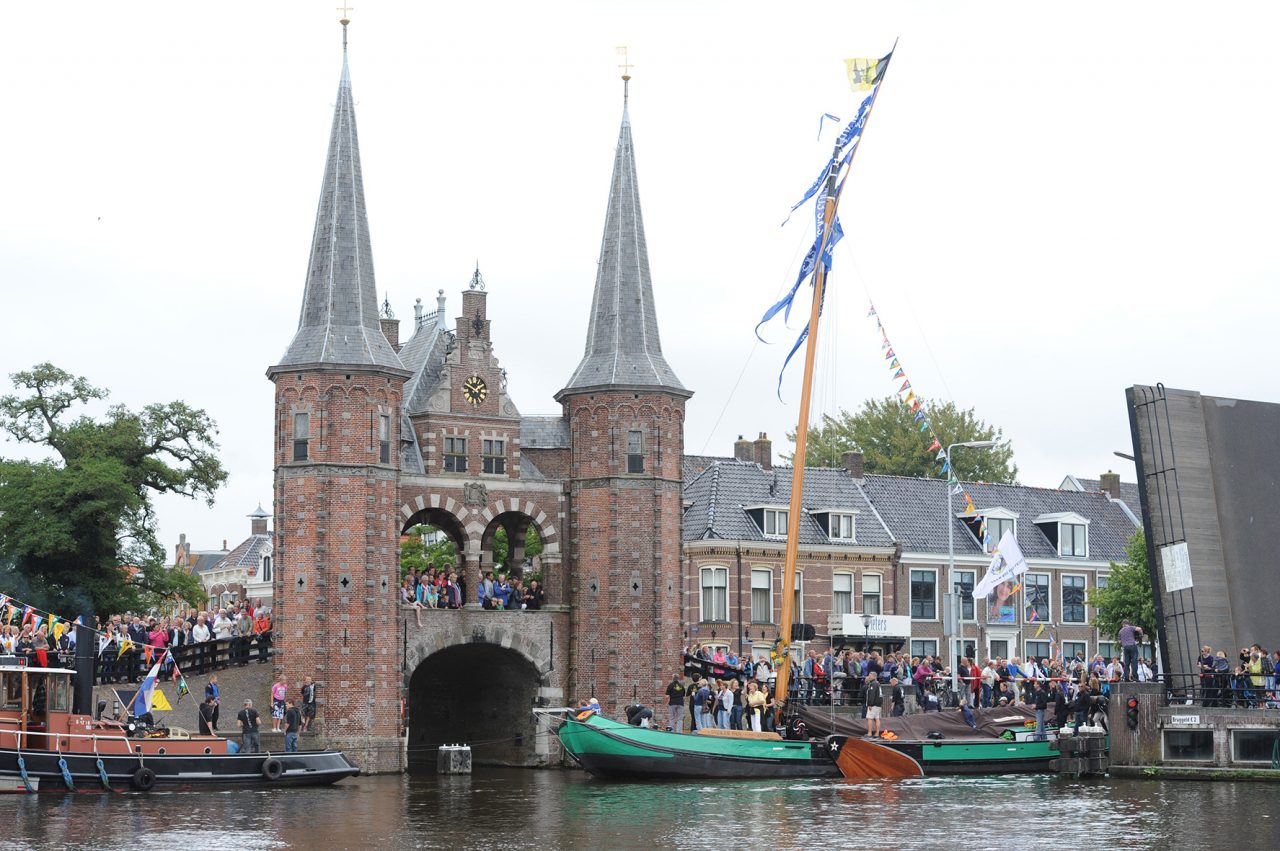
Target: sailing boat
(612, 749)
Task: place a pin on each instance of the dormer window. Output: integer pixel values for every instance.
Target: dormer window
(1068, 532)
(839, 525)
(999, 521)
(775, 522)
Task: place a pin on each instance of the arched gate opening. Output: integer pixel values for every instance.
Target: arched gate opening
(478, 694)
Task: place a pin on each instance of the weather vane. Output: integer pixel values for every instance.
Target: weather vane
(625, 65)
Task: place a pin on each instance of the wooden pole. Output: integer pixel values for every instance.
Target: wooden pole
(834, 191)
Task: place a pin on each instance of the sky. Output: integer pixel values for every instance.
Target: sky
(1052, 201)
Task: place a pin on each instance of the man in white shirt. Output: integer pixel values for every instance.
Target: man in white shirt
(222, 626)
(989, 679)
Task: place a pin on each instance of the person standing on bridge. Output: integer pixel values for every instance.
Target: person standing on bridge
(1128, 636)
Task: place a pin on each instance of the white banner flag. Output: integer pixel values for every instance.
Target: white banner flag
(1006, 564)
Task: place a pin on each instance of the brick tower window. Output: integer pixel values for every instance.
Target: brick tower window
(301, 434)
(635, 452)
(494, 454)
(384, 439)
(455, 455)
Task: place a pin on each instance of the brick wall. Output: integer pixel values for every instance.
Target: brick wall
(625, 534)
(336, 550)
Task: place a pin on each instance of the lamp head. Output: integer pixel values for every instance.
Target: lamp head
(978, 444)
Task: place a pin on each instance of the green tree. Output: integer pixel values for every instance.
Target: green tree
(416, 551)
(501, 547)
(886, 433)
(73, 523)
(1128, 595)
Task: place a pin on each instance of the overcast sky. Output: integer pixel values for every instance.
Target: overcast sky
(1052, 201)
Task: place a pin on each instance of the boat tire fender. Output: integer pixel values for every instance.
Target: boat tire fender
(144, 779)
(272, 768)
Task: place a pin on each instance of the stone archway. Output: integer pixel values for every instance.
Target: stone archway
(478, 686)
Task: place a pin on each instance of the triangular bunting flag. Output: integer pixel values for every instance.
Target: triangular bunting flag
(889, 353)
(894, 364)
(934, 445)
(899, 374)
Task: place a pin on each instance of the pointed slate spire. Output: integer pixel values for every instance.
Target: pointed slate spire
(339, 322)
(623, 348)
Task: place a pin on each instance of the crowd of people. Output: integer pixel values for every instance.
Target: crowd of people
(441, 589)
(732, 692)
(128, 643)
(1250, 682)
(288, 716)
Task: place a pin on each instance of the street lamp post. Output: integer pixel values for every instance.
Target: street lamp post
(951, 566)
(866, 638)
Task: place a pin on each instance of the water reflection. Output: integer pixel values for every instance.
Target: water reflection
(515, 809)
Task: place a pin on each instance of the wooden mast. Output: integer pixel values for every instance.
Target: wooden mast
(834, 191)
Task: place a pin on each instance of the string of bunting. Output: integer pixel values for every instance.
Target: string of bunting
(57, 625)
(920, 415)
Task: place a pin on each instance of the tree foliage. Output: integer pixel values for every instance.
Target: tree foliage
(1128, 595)
(424, 548)
(886, 433)
(77, 528)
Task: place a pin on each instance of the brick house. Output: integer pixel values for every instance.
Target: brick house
(890, 557)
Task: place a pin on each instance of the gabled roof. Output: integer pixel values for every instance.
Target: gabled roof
(623, 348)
(915, 510)
(1128, 490)
(691, 466)
(339, 323)
(423, 355)
(247, 553)
(720, 494)
(204, 561)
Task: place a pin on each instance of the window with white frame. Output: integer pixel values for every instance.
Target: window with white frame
(964, 587)
(266, 569)
(1071, 648)
(1107, 650)
(1073, 540)
(924, 594)
(1035, 595)
(1073, 605)
(797, 612)
(1103, 580)
(761, 595)
(1037, 650)
(842, 593)
(997, 526)
(871, 593)
(775, 522)
(924, 647)
(842, 527)
(715, 594)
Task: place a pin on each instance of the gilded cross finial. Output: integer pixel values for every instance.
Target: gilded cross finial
(625, 65)
(346, 14)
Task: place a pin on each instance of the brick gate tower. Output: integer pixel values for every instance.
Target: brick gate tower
(625, 409)
(337, 421)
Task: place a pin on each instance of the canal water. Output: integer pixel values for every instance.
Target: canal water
(553, 809)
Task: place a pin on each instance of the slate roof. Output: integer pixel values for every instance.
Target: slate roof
(914, 509)
(544, 433)
(622, 335)
(204, 561)
(248, 552)
(691, 466)
(339, 321)
(1128, 491)
(423, 355)
(721, 493)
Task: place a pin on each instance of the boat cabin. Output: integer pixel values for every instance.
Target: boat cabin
(35, 705)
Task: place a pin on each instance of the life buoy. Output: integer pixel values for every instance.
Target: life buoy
(144, 779)
(272, 768)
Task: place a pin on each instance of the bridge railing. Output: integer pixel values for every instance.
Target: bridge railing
(195, 659)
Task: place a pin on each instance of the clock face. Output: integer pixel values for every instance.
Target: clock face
(474, 390)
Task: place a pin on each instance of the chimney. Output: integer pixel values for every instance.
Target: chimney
(181, 549)
(763, 451)
(258, 522)
(742, 450)
(1109, 482)
(391, 330)
(390, 325)
(852, 463)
